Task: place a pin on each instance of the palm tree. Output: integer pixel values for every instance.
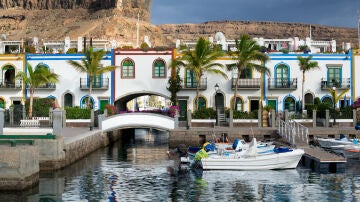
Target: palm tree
(201, 60)
(305, 65)
(247, 55)
(175, 80)
(336, 97)
(91, 65)
(35, 78)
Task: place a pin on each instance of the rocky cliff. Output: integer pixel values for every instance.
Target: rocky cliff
(270, 30)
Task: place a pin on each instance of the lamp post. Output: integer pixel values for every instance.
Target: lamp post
(216, 87)
(334, 118)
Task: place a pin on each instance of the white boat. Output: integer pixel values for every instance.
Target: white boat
(348, 151)
(331, 142)
(250, 159)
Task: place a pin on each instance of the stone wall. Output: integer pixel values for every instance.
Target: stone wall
(19, 167)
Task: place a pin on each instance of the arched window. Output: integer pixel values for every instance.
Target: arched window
(84, 102)
(327, 100)
(309, 98)
(202, 102)
(127, 69)
(282, 76)
(239, 106)
(290, 104)
(159, 70)
(8, 73)
(2, 103)
(68, 100)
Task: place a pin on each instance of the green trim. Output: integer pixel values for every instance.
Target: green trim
(17, 137)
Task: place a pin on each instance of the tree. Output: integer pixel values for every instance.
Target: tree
(336, 97)
(35, 78)
(247, 55)
(91, 66)
(175, 80)
(305, 65)
(201, 60)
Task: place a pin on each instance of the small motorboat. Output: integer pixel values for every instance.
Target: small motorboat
(328, 143)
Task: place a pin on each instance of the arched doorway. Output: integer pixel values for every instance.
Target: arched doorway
(68, 100)
(309, 98)
(289, 104)
(9, 75)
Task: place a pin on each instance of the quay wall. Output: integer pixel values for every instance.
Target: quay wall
(19, 167)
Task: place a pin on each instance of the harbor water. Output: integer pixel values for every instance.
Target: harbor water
(137, 168)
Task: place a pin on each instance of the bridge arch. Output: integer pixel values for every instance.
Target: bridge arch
(120, 102)
(137, 120)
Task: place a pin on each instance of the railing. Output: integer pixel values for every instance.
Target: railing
(343, 84)
(10, 85)
(50, 86)
(246, 83)
(282, 83)
(292, 130)
(97, 84)
(191, 85)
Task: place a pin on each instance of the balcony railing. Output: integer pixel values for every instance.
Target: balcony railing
(16, 85)
(343, 84)
(246, 83)
(280, 83)
(98, 84)
(48, 86)
(191, 85)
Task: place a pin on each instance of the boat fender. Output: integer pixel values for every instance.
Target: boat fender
(201, 154)
(236, 142)
(282, 150)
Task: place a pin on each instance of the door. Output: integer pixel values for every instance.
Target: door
(183, 110)
(2, 104)
(272, 104)
(103, 103)
(219, 102)
(282, 79)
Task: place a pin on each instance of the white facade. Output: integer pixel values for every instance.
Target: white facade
(69, 79)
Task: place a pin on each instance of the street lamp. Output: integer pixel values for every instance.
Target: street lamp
(334, 89)
(216, 88)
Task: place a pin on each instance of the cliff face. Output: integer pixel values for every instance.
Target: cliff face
(72, 4)
(270, 30)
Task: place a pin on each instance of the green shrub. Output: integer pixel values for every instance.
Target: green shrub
(71, 51)
(77, 113)
(204, 113)
(30, 49)
(346, 113)
(41, 106)
(239, 114)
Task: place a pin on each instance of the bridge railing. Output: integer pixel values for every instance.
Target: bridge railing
(293, 132)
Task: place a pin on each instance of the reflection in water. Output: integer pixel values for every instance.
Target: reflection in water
(138, 169)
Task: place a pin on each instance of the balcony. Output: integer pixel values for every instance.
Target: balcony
(282, 84)
(47, 86)
(98, 84)
(344, 83)
(188, 85)
(10, 85)
(246, 83)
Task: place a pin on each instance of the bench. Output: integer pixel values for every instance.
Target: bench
(26, 123)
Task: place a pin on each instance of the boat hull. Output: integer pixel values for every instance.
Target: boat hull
(286, 160)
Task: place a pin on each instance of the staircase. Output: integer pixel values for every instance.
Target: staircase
(220, 117)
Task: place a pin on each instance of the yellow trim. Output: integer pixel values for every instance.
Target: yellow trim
(356, 53)
(10, 57)
(2, 98)
(194, 100)
(232, 101)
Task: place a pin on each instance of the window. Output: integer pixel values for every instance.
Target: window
(159, 69)
(245, 74)
(127, 69)
(202, 102)
(190, 79)
(97, 81)
(290, 104)
(282, 72)
(84, 102)
(309, 98)
(334, 76)
(238, 104)
(327, 100)
(68, 100)
(2, 103)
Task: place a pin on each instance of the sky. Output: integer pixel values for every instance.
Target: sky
(338, 13)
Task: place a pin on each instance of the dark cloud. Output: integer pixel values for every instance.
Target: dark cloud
(340, 13)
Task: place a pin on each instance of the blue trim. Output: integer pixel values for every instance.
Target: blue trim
(51, 96)
(264, 83)
(78, 56)
(283, 101)
(351, 77)
(112, 77)
(340, 59)
(85, 97)
(306, 55)
(25, 69)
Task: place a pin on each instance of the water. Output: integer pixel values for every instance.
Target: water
(139, 170)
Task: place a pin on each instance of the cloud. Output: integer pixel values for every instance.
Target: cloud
(325, 12)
